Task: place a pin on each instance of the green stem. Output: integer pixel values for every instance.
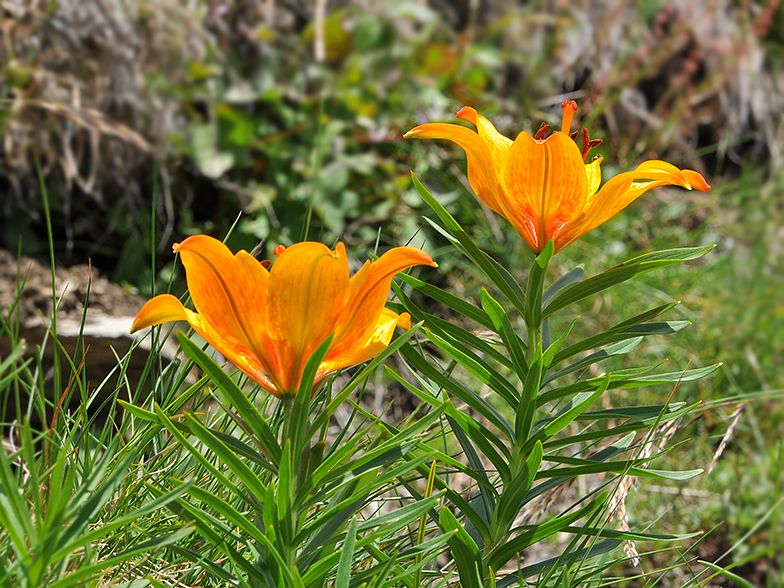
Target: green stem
(287, 400)
(534, 340)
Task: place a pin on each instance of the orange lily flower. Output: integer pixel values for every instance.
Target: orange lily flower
(542, 185)
(269, 323)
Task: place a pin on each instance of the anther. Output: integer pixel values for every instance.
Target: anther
(569, 108)
(543, 130)
(278, 250)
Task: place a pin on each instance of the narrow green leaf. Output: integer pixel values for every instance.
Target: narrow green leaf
(246, 475)
(503, 326)
(620, 348)
(446, 329)
(478, 368)
(727, 574)
(238, 398)
(513, 496)
(457, 389)
(621, 273)
(347, 556)
(578, 405)
(500, 556)
(524, 415)
(323, 417)
(571, 277)
(620, 382)
(450, 300)
(470, 248)
(484, 439)
(553, 348)
(464, 551)
(619, 332)
(534, 291)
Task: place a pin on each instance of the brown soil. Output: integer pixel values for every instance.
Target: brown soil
(103, 329)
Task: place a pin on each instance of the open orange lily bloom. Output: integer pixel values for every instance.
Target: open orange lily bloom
(542, 185)
(269, 323)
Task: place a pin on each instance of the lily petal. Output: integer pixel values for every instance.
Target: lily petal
(496, 143)
(161, 309)
(308, 286)
(593, 174)
(546, 186)
(481, 173)
(378, 340)
(166, 308)
(369, 289)
(229, 289)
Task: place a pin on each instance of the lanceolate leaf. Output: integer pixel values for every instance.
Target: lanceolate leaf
(621, 273)
(471, 250)
(619, 332)
(620, 382)
(238, 398)
(464, 551)
(450, 300)
(507, 551)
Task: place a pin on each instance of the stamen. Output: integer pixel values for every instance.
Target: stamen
(543, 130)
(586, 139)
(278, 250)
(573, 136)
(569, 108)
(588, 144)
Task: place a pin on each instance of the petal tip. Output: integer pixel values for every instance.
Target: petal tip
(467, 114)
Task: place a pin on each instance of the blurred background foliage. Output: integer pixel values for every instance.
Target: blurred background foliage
(180, 114)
